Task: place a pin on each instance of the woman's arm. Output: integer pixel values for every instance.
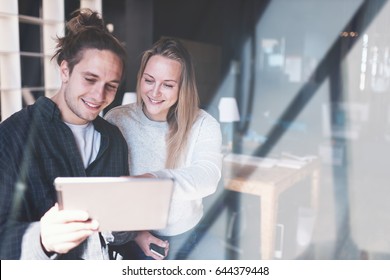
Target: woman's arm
(202, 171)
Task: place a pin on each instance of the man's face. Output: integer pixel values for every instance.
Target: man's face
(90, 87)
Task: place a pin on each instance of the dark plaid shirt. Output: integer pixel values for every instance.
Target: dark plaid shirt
(36, 146)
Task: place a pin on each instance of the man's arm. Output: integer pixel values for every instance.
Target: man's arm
(11, 207)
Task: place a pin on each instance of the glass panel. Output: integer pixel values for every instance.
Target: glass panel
(32, 71)
(305, 79)
(70, 6)
(30, 8)
(30, 37)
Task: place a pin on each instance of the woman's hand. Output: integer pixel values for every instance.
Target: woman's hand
(145, 238)
(145, 175)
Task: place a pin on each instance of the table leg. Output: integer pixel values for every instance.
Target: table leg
(268, 215)
(315, 189)
(232, 237)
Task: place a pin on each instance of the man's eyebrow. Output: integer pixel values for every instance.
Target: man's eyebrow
(90, 74)
(87, 73)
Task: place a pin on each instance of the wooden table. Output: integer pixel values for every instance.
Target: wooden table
(268, 184)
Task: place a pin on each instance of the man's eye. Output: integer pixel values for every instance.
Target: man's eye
(90, 80)
(112, 88)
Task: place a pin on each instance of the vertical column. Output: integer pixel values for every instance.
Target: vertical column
(53, 26)
(126, 17)
(10, 73)
(138, 13)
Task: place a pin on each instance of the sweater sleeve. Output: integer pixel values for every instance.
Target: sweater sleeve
(31, 244)
(202, 171)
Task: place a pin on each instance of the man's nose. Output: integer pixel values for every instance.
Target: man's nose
(99, 92)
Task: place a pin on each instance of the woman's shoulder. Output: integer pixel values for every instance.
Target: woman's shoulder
(206, 126)
(121, 111)
(205, 117)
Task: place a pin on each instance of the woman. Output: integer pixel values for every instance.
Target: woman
(170, 137)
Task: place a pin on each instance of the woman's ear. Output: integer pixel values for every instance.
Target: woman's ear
(64, 70)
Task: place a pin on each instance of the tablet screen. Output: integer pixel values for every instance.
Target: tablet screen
(118, 203)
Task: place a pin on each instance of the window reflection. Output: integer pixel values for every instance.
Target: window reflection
(319, 95)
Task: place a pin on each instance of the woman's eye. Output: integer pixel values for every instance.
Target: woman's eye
(148, 81)
(168, 86)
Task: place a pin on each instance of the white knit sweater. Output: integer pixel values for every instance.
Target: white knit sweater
(199, 174)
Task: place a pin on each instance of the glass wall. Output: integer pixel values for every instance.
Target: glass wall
(305, 165)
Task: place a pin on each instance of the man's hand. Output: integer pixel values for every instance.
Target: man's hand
(63, 230)
(145, 238)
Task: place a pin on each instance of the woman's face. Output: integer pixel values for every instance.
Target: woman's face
(159, 86)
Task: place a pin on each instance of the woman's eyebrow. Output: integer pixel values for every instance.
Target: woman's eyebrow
(167, 80)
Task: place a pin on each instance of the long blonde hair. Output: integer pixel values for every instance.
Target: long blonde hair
(182, 115)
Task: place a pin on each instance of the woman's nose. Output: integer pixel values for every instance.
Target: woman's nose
(156, 91)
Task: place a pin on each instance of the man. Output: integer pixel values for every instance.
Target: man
(62, 137)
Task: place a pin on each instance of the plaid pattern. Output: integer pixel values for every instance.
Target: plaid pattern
(35, 148)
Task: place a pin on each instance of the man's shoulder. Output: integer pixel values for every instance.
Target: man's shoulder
(17, 121)
(102, 124)
(106, 128)
(15, 129)
(24, 117)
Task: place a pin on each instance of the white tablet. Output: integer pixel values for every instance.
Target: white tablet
(118, 203)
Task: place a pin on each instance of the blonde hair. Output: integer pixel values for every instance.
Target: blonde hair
(182, 115)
